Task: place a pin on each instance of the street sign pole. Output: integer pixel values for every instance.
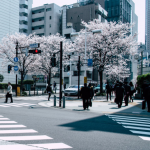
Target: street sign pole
(16, 57)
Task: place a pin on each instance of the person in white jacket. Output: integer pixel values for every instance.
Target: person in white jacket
(9, 93)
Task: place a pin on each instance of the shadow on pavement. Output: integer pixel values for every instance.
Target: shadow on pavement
(102, 123)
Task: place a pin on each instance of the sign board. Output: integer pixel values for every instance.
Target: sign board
(85, 79)
(16, 59)
(35, 45)
(68, 73)
(90, 62)
(16, 68)
(33, 76)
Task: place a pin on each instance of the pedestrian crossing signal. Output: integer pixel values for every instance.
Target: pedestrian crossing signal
(85, 79)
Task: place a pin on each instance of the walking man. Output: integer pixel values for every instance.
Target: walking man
(127, 93)
(119, 94)
(49, 91)
(108, 89)
(91, 93)
(54, 86)
(9, 93)
(85, 94)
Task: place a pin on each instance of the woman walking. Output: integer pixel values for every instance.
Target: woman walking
(131, 90)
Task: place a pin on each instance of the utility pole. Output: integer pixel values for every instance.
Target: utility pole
(16, 56)
(78, 77)
(60, 88)
(142, 63)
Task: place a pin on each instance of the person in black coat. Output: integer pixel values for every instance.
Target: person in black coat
(49, 91)
(85, 94)
(108, 90)
(119, 94)
(91, 93)
(127, 93)
(147, 96)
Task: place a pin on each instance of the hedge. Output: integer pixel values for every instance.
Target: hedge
(26, 82)
(5, 85)
(142, 78)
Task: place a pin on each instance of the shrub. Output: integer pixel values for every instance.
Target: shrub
(24, 93)
(142, 78)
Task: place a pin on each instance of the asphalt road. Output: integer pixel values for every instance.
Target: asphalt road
(81, 130)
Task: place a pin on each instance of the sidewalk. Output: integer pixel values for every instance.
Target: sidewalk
(100, 106)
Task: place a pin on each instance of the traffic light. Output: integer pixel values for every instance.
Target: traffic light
(36, 51)
(53, 62)
(9, 68)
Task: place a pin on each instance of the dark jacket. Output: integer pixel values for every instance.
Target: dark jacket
(108, 88)
(147, 93)
(91, 92)
(119, 91)
(127, 89)
(85, 93)
(49, 89)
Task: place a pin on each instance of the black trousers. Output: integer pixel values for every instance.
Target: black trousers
(8, 95)
(126, 99)
(148, 105)
(49, 95)
(85, 103)
(108, 93)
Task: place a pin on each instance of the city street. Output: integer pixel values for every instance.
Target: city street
(33, 123)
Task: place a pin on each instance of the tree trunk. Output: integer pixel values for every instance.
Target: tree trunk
(101, 81)
(21, 82)
(49, 77)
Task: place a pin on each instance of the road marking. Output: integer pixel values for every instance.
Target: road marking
(3, 106)
(118, 116)
(4, 119)
(16, 105)
(12, 126)
(25, 138)
(17, 131)
(140, 132)
(52, 145)
(138, 128)
(18, 147)
(133, 124)
(8, 122)
(145, 138)
(1, 116)
(128, 121)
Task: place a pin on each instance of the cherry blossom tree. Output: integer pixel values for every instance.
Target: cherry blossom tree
(8, 52)
(115, 39)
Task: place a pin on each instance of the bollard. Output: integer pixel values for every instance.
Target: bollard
(42, 92)
(37, 91)
(63, 101)
(54, 100)
(29, 93)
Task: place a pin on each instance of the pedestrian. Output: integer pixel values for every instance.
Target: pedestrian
(54, 86)
(108, 90)
(119, 90)
(49, 91)
(132, 89)
(9, 93)
(91, 93)
(127, 93)
(64, 85)
(85, 94)
(147, 96)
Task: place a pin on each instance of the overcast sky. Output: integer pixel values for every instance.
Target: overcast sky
(139, 10)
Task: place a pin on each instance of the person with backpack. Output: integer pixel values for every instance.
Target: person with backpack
(127, 93)
(108, 90)
(132, 89)
(49, 91)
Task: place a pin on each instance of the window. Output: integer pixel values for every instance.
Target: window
(50, 26)
(48, 9)
(50, 17)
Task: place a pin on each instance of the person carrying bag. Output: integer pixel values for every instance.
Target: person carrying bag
(9, 93)
(49, 91)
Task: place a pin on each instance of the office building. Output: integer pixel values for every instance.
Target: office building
(147, 24)
(46, 20)
(25, 15)
(9, 24)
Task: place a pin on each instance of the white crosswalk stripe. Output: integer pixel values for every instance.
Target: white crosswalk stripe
(136, 125)
(38, 138)
(16, 105)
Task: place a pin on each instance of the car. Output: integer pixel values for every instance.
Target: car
(96, 89)
(72, 90)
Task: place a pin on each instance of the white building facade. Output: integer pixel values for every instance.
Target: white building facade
(9, 24)
(25, 16)
(46, 20)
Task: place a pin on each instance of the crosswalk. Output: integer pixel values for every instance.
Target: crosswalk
(137, 125)
(16, 105)
(9, 128)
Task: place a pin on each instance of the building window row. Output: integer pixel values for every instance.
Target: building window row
(23, 14)
(48, 9)
(37, 11)
(38, 27)
(23, 22)
(38, 19)
(23, 6)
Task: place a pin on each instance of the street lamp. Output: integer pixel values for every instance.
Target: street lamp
(93, 31)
